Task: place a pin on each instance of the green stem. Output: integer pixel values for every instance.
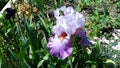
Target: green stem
(71, 65)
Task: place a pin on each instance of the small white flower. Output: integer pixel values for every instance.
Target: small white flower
(117, 47)
(119, 43)
(115, 36)
(93, 42)
(117, 31)
(96, 38)
(114, 56)
(104, 40)
(112, 41)
(114, 47)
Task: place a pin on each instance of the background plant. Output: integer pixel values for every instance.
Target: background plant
(23, 39)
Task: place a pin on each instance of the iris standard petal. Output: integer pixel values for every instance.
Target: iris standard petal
(68, 22)
(57, 12)
(69, 11)
(80, 20)
(62, 27)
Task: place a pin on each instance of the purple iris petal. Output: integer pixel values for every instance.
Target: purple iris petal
(10, 13)
(83, 40)
(59, 48)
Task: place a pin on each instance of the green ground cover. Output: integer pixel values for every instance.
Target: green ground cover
(24, 37)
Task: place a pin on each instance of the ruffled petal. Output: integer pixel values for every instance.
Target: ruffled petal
(58, 48)
(69, 11)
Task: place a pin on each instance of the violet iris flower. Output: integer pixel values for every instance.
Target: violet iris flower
(10, 13)
(67, 24)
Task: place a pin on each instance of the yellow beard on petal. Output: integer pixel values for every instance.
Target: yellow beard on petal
(81, 28)
(63, 35)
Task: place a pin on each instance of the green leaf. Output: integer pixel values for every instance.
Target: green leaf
(28, 66)
(96, 51)
(109, 64)
(0, 57)
(44, 28)
(23, 50)
(46, 57)
(40, 63)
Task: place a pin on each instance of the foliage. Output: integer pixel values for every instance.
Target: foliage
(23, 38)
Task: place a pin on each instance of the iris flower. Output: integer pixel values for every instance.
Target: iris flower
(67, 24)
(10, 13)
